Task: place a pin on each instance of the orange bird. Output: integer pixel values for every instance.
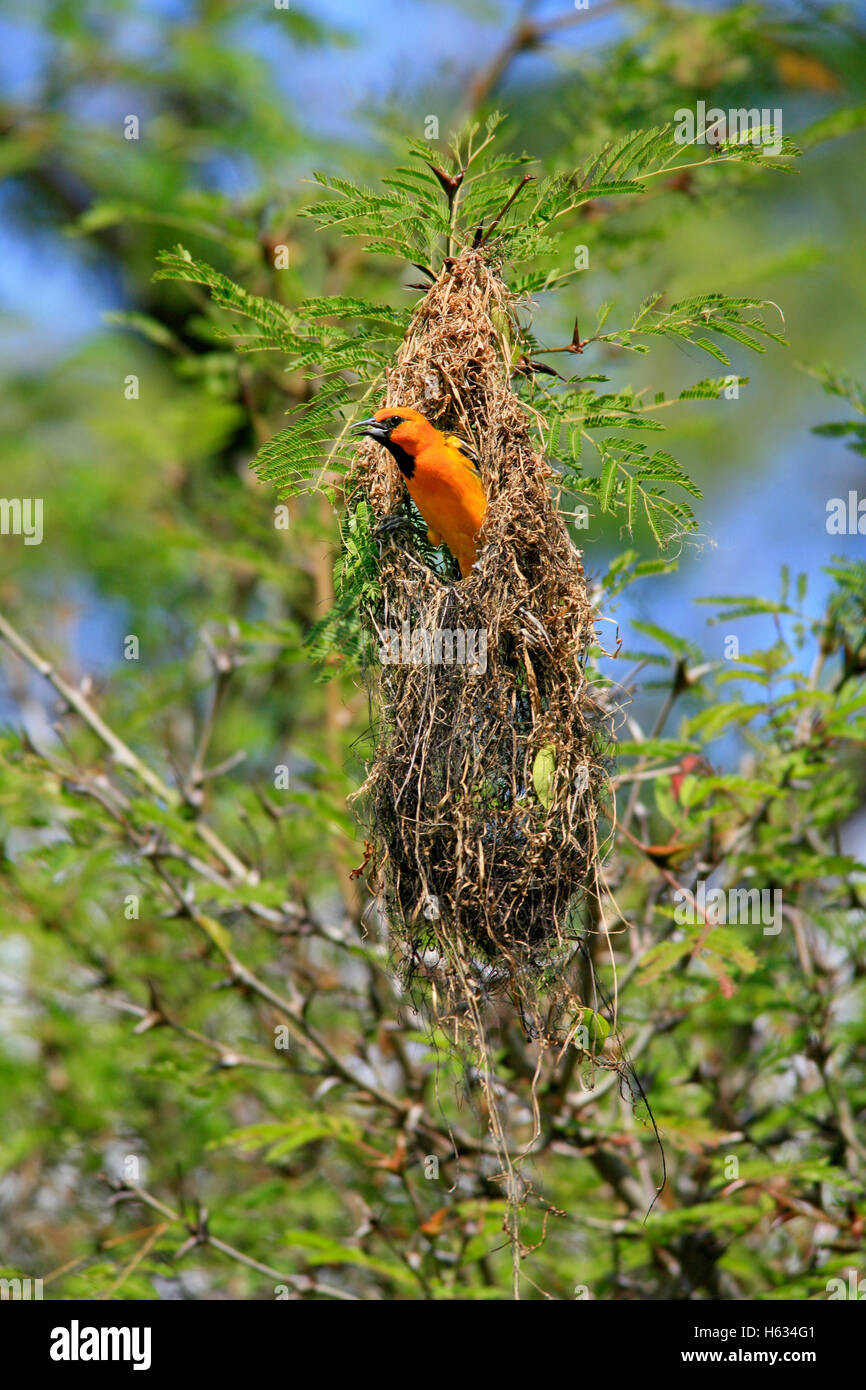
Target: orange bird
(440, 476)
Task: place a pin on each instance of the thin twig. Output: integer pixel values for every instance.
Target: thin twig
(302, 1283)
(122, 754)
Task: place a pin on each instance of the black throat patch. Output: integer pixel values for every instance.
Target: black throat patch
(405, 462)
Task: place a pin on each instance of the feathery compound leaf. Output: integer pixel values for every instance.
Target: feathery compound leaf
(691, 319)
(307, 449)
(395, 321)
(337, 640)
(280, 329)
(390, 218)
(711, 388)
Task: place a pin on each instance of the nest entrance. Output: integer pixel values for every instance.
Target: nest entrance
(484, 787)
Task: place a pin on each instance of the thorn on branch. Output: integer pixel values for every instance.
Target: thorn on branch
(449, 182)
(527, 36)
(527, 366)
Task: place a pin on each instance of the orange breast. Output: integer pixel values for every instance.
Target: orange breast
(449, 496)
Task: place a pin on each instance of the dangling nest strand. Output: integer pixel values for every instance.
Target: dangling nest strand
(483, 792)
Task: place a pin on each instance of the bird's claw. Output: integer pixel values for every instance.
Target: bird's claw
(389, 525)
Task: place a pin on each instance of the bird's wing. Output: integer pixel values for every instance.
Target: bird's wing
(466, 452)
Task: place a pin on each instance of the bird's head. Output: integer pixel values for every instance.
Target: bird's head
(397, 427)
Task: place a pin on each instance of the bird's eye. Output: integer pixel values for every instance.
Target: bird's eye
(394, 420)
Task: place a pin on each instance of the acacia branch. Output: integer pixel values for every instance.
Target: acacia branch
(120, 751)
(200, 1235)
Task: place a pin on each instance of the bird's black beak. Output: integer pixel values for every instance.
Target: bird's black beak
(372, 429)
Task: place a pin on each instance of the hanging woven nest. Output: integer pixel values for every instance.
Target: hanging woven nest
(484, 787)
